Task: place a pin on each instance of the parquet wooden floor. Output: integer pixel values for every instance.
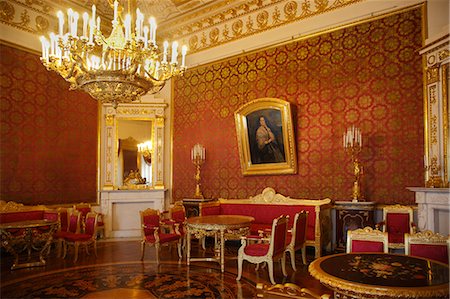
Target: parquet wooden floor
(128, 250)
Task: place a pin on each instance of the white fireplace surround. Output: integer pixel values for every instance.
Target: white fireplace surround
(433, 209)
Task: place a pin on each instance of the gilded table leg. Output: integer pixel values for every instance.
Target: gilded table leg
(222, 250)
(188, 252)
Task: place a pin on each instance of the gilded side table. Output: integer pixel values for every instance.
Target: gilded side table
(351, 216)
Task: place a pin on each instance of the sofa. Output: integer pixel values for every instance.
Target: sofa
(14, 212)
(268, 205)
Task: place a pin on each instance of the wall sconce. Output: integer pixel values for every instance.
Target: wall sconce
(353, 146)
(198, 158)
(146, 149)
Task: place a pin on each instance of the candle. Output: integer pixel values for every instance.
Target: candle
(166, 46)
(93, 12)
(75, 17)
(85, 24)
(174, 52)
(98, 24)
(42, 39)
(91, 30)
(61, 22)
(115, 10)
(52, 43)
(183, 55)
(127, 27)
(145, 36)
(152, 22)
(69, 20)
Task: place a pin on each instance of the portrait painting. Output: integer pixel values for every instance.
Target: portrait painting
(266, 137)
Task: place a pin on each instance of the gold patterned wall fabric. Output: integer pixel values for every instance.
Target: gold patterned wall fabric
(48, 135)
(369, 75)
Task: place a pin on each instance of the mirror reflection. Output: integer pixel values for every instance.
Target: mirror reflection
(134, 152)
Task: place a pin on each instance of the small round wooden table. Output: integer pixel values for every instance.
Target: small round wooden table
(226, 225)
(381, 275)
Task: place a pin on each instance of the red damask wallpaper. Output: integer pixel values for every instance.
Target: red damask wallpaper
(48, 134)
(369, 75)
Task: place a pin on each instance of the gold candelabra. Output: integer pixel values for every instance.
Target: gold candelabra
(353, 145)
(198, 158)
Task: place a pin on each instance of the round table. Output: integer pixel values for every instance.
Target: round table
(381, 275)
(226, 226)
(28, 235)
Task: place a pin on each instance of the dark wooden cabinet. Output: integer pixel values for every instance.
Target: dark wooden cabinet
(351, 216)
(191, 205)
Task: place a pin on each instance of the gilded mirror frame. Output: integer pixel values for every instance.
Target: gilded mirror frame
(109, 140)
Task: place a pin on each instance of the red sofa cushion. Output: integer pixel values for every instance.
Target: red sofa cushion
(265, 213)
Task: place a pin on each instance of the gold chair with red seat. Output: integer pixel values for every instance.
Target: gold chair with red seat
(86, 238)
(273, 249)
(85, 208)
(429, 245)
(177, 219)
(296, 238)
(153, 235)
(70, 221)
(367, 240)
(398, 221)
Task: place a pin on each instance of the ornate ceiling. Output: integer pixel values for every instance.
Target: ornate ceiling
(201, 24)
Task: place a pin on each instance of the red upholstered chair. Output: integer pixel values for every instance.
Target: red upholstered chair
(268, 252)
(428, 245)
(153, 235)
(86, 238)
(398, 221)
(296, 238)
(177, 219)
(85, 208)
(367, 240)
(70, 223)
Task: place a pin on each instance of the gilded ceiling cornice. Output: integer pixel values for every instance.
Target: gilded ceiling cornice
(210, 26)
(30, 16)
(246, 19)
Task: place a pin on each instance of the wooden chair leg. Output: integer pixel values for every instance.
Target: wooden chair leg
(142, 250)
(283, 264)
(240, 260)
(292, 254)
(76, 252)
(304, 254)
(179, 245)
(270, 268)
(157, 252)
(64, 244)
(95, 248)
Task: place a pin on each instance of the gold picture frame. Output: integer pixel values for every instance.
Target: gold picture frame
(265, 136)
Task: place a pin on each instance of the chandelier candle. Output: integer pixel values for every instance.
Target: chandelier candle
(116, 69)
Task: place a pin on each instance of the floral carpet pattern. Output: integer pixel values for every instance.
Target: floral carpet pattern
(163, 281)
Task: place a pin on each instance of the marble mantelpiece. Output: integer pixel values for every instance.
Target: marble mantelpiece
(121, 210)
(433, 208)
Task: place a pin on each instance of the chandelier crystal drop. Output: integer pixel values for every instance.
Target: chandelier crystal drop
(116, 69)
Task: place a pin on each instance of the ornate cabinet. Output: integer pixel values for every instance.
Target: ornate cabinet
(350, 216)
(192, 206)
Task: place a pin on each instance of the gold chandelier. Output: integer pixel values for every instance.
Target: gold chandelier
(116, 69)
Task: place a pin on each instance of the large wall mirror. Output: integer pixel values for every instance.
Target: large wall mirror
(134, 153)
(132, 147)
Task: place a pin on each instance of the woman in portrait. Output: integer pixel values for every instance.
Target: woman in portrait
(268, 150)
